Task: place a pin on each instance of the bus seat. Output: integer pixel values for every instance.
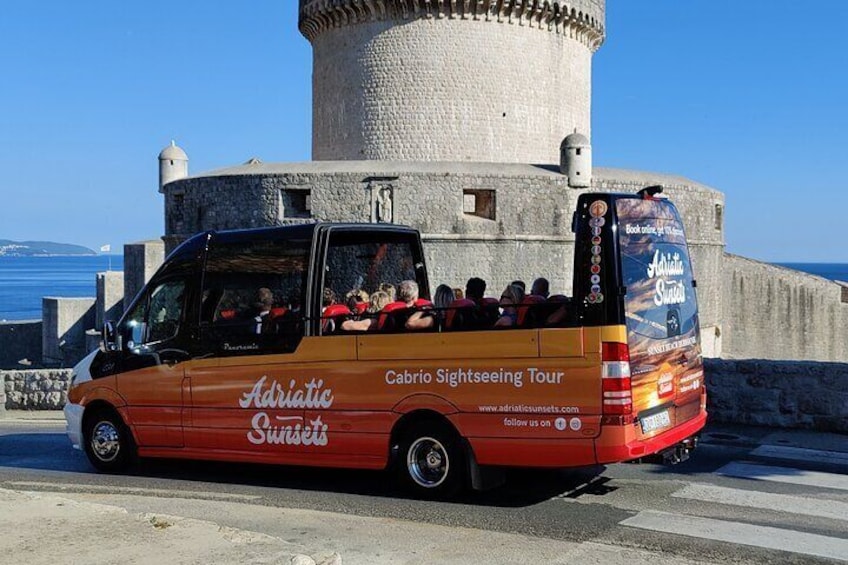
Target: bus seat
(529, 311)
(489, 312)
(332, 317)
(277, 312)
(423, 303)
(458, 312)
(361, 307)
(227, 314)
(391, 315)
(559, 310)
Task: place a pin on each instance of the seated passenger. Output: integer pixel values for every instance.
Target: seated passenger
(442, 300)
(541, 287)
(378, 301)
(475, 288)
(264, 304)
(510, 299)
(419, 320)
(457, 293)
(389, 289)
(328, 298)
(520, 284)
(354, 297)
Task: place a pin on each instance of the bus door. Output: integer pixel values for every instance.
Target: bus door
(661, 313)
(152, 366)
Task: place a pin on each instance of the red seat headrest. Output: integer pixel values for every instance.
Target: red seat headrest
(277, 312)
(227, 314)
(423, 303)
(389, 308)
(557, 298)
(335, 310)
(361, 307)
(490, 301)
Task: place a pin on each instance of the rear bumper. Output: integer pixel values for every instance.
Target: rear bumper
(622, 443)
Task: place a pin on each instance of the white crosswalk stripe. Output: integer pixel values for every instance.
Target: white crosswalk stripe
(829, 503)
(784, 475)
(740, 533)
(822, 508)
(802, 454)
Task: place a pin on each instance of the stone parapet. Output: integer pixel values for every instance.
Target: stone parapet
(43, 389)
(580, 19)
(63, 333)
(777, 313)
(141, 260)
(110, 296)
(782, 394)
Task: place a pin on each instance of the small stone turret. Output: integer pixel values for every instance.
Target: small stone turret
(173, 165)
(575, 160)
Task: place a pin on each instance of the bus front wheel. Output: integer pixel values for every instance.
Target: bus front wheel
(430, 460)
(108, 442)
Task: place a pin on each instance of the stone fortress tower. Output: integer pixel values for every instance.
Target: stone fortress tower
(470, 120)
(429, 80)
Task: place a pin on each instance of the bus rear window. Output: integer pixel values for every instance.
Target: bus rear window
(660, 306)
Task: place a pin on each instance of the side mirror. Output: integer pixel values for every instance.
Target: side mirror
(111, 339)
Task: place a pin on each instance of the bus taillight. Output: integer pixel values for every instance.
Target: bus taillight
(615, 373)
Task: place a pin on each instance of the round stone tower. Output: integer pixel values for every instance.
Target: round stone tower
(450, 80)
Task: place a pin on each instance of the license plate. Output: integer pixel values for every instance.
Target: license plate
(655, 421)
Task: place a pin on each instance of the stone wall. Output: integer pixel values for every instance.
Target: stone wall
(776, 313)
(20, 341)
(782, 394)
(527, 235)
(44, 389)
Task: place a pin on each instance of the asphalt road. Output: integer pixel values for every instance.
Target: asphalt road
(729, 503)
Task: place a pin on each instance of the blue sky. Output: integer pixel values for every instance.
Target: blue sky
(747, 97)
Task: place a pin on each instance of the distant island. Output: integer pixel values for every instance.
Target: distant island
(10, 248)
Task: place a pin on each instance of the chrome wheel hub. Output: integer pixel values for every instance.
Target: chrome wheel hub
(427, 462)
(105, 441)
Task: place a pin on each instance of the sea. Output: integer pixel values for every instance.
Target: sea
(25, 280)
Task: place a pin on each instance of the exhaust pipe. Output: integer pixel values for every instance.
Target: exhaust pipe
(680, 452)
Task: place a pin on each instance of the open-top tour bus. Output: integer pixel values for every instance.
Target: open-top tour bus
(199, 367)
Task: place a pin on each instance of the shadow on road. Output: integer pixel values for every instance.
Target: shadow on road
(40, 451)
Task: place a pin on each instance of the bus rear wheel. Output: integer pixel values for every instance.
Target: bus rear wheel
(108, 442)
(430, 460)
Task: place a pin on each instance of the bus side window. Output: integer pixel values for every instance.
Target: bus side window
(253, 295)
(368, 262)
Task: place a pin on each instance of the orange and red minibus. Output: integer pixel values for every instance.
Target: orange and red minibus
(235, 350)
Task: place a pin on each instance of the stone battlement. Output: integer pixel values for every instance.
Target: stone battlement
(582, 20)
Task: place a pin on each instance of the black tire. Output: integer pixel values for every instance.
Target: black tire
(430, 460)
(108, 442)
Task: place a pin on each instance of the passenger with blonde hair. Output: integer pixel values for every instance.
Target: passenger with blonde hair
(389, 289)
(378, 301)
(511, 297)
